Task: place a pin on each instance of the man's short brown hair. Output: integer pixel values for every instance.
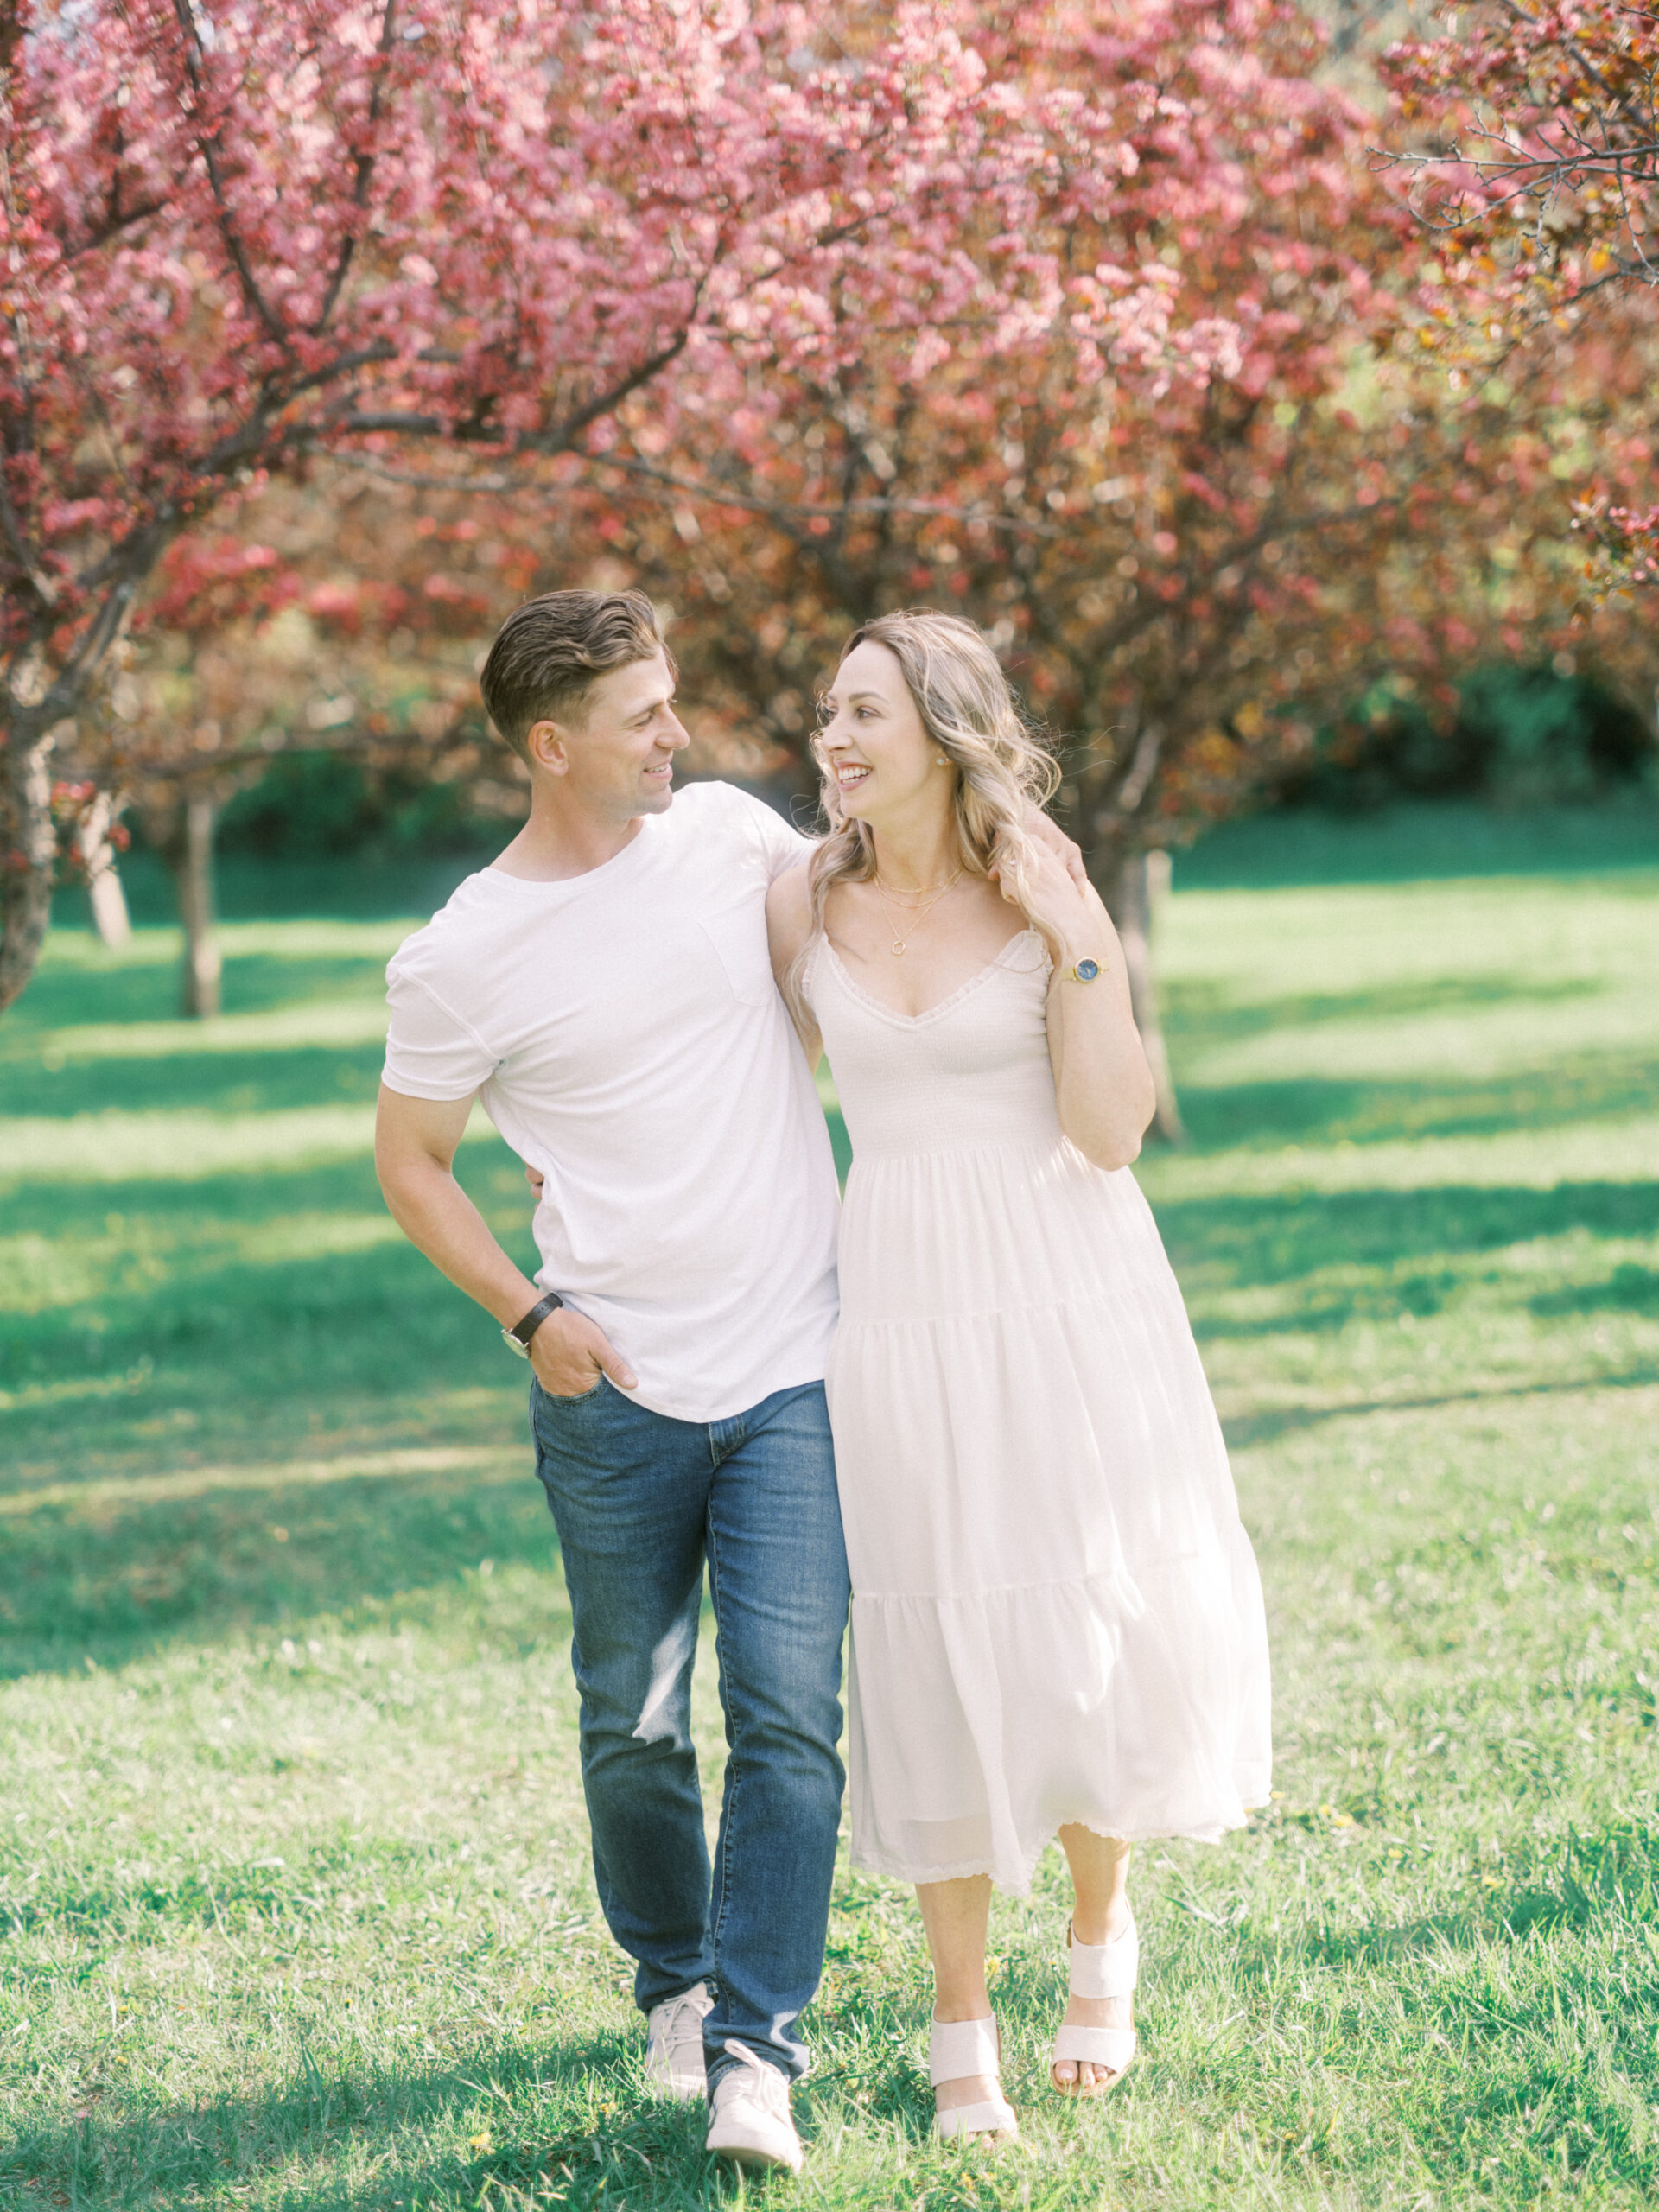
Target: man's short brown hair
(548, 656)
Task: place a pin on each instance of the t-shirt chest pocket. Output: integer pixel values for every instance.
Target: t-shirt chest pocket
(740, 939)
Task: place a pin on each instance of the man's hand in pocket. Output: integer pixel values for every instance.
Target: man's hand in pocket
(569, 1353)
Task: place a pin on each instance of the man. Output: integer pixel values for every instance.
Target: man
(604, 988)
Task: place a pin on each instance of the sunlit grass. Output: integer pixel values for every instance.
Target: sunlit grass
(294, 1903)
(175, 1143)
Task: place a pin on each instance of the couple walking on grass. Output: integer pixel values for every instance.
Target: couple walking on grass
(1057, 1626)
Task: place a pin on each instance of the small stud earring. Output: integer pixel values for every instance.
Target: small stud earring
(941, 760)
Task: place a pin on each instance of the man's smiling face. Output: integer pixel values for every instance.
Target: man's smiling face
(617, 751)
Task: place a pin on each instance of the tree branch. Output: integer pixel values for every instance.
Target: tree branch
(365, 170)
(604, 402)
(256, 299)
(117, 222)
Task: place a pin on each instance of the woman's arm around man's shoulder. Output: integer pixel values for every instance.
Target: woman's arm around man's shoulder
(789, 924)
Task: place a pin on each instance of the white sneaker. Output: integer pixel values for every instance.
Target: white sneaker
(751, 2121)
(674, 2043)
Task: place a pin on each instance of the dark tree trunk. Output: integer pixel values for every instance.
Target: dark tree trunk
(190, 854)
(1129, 886)
(27, 849)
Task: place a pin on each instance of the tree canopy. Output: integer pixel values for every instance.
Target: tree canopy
(237, 233)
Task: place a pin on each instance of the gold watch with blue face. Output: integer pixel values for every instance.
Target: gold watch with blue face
(1085, 972)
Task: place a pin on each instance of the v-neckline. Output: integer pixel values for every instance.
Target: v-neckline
(939, 1006)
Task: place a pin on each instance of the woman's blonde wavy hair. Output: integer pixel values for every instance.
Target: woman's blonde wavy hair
(1000, 764)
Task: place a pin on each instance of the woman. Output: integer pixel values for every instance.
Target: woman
(1056, 1622)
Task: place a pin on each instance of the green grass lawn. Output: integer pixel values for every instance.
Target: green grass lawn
(294, 1903)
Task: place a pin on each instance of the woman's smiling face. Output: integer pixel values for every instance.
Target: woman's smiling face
(872, 744)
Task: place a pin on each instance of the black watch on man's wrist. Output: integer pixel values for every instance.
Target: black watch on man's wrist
(517, 1338)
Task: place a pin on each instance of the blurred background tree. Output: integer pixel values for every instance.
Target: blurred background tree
(1537, 165)
(315, 687)
(1127, 350)
(238, 235)
(1254, 554)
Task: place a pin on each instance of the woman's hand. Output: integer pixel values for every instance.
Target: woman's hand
(1043, 835)
(1065, 914)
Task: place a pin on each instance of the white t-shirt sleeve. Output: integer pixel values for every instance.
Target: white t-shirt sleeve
(783, 847)
(430, 1052)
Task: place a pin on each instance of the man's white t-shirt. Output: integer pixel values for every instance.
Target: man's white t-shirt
(623, 1031)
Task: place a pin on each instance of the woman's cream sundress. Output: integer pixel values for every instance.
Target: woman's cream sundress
(1056, 1611)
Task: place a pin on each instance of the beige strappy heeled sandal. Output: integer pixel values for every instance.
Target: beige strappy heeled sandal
(956, 2048)
(1099, 1970)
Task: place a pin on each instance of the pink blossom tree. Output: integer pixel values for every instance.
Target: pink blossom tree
(1536, 166)
(237, 233)
(1198, 534)
(1181, 516)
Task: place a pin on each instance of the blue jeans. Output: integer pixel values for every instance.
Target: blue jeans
(639, 1501)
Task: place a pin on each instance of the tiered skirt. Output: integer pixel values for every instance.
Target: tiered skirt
(1057, 1616)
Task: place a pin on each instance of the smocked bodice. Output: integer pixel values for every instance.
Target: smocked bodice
(972, 1070)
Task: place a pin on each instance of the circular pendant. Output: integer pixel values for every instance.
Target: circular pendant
(896, 947)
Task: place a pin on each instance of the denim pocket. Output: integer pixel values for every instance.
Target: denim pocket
(550, 1411)
(576, 1398)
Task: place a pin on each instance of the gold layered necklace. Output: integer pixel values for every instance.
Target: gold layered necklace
(902, 936)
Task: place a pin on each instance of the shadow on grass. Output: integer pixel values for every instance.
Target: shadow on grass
(1629, 1289)
(143, 989)
(1245, 1429)
(1286, 1234)
(1210, 1010)
(570, 2111)
(1384, 1299)
(70, 1205)
(196, 1082)
(275, 1321)
(226, 1362)
(240, 1364)
(1608, 1872)
(234, 1899)
(111, 1580)
(1316, 1110)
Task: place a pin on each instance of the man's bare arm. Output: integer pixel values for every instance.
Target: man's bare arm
(414, 1141)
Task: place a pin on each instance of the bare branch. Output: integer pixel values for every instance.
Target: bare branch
(715, 495)
(365, 170)
(564, 437)
(272, 323)
(119, 221)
